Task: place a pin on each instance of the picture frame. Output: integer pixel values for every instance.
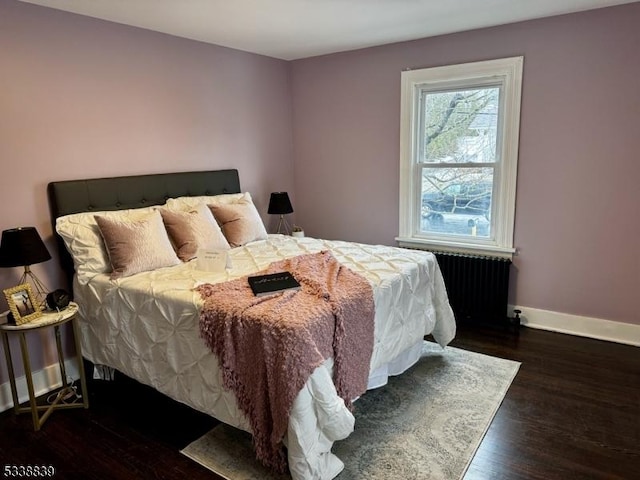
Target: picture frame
(22, 303)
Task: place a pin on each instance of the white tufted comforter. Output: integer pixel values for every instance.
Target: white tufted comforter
(146, 326)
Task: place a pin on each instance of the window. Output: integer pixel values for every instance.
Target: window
(458, 156)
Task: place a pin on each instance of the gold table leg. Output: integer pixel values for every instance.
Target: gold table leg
(83, 379)
(27, 373)
(12, 376)
(58, 402)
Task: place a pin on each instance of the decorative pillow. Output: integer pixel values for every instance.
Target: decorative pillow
(83, 240)
(188, 203)
(136, 246)
(240, 222)
(192, 230)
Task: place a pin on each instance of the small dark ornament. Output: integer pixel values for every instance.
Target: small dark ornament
(58, 299)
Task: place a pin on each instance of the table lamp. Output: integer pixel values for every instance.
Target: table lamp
(23, 247)
(279, 204)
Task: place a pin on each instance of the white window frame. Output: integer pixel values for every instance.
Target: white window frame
(506, 73)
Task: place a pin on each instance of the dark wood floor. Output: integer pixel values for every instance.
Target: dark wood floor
(573, 412)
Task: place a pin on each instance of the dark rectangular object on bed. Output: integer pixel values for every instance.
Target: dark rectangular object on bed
(272, 283)
(120, 193)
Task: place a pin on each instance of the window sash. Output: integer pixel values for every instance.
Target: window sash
(505, 74)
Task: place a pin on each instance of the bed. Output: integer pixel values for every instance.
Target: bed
(145, 325)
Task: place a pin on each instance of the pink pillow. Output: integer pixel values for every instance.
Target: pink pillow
(136, 246)
(240, 222)
(193, 230)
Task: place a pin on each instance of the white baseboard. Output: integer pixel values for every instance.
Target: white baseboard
(44, 381)
(619, 332)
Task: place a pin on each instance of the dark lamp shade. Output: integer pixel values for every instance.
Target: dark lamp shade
(279, 204)
(22, 246)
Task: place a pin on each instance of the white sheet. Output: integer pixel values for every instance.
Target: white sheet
(146, 326)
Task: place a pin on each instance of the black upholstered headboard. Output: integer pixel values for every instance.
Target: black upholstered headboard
(119, 193)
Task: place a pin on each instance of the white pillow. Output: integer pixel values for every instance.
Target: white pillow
(188, 203)
(83, 240)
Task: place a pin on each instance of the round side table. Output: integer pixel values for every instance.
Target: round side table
(47, 320)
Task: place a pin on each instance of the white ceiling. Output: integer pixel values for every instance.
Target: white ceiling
(292, 29)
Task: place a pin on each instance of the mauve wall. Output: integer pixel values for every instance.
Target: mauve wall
(577, 221)
(85, 98)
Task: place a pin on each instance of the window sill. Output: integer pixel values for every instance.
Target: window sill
(456, 247)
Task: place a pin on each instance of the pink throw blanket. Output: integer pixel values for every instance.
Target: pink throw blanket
(268, 346)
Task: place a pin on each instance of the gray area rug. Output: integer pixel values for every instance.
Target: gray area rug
(424, 424)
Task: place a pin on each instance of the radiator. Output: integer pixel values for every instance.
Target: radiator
(477, 286)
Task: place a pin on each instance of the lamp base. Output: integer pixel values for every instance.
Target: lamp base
(39, 290)
(283, 226)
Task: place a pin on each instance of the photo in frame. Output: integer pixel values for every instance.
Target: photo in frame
(22, 303)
